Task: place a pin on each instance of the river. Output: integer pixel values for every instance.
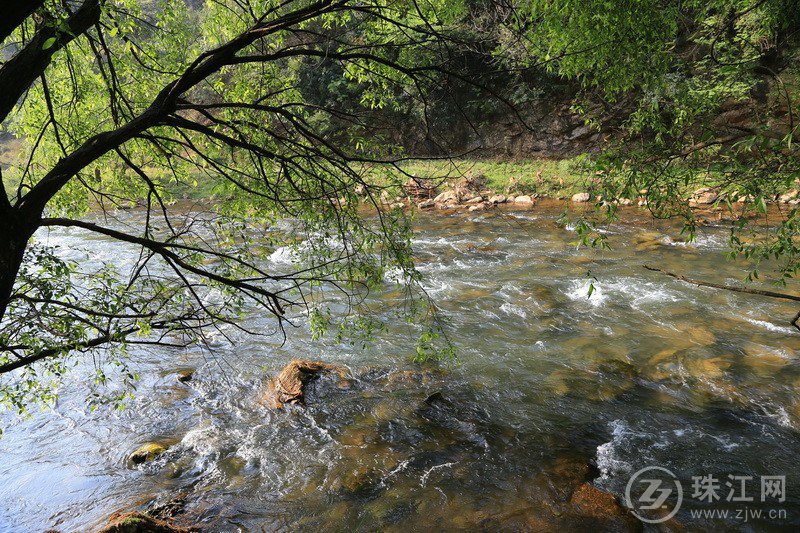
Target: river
(648, 371)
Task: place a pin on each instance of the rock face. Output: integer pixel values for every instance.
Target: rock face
(581, 197)
(289, 386)
(133, 522)
(147, 452)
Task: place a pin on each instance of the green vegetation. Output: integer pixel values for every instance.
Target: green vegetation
(545, 177)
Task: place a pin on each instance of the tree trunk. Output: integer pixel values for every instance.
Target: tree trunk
(14, 237)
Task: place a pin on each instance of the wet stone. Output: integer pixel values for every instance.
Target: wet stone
(147, 452)
(134, 522)
(592, 507)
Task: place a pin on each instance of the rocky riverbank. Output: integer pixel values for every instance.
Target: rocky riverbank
(472, 193)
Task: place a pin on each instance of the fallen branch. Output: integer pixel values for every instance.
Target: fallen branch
(771, 294)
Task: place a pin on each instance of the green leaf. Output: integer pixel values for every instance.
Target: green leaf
(761, 204)
(49, 43)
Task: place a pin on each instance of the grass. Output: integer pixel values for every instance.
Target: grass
(547, 177)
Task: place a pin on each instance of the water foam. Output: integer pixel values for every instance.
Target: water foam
(608, 461)
(512, 309)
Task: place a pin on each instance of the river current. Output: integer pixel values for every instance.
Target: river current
(647, 371)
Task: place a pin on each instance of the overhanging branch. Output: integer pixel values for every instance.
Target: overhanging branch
(17, 75)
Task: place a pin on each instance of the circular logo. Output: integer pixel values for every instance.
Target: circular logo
(657, 490)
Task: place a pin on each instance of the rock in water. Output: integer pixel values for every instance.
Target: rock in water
(147, 452)
(133, 522)
(599, 509)
(289, 385)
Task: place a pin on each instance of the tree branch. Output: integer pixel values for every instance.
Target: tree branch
(17, 75)
(770, 294)
(14, 14)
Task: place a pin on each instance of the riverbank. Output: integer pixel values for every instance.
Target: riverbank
(474, 184)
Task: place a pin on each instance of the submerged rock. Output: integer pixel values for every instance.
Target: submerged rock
(763, 360)
(556, 382)
(362, 468)
(701, 335)
(134, 522)
(710, 368)
(289, 386)
(601, 509)
(185, 375)
(147, 452)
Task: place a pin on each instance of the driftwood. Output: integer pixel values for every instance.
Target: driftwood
(770, 294)
(288, 387)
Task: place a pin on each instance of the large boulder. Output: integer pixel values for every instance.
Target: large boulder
(288, 387)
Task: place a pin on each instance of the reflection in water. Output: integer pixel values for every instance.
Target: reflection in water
(552, 388)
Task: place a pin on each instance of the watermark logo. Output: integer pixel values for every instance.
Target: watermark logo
(654, 494)
(654, 491)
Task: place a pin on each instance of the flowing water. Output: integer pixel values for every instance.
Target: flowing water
(648, 371)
